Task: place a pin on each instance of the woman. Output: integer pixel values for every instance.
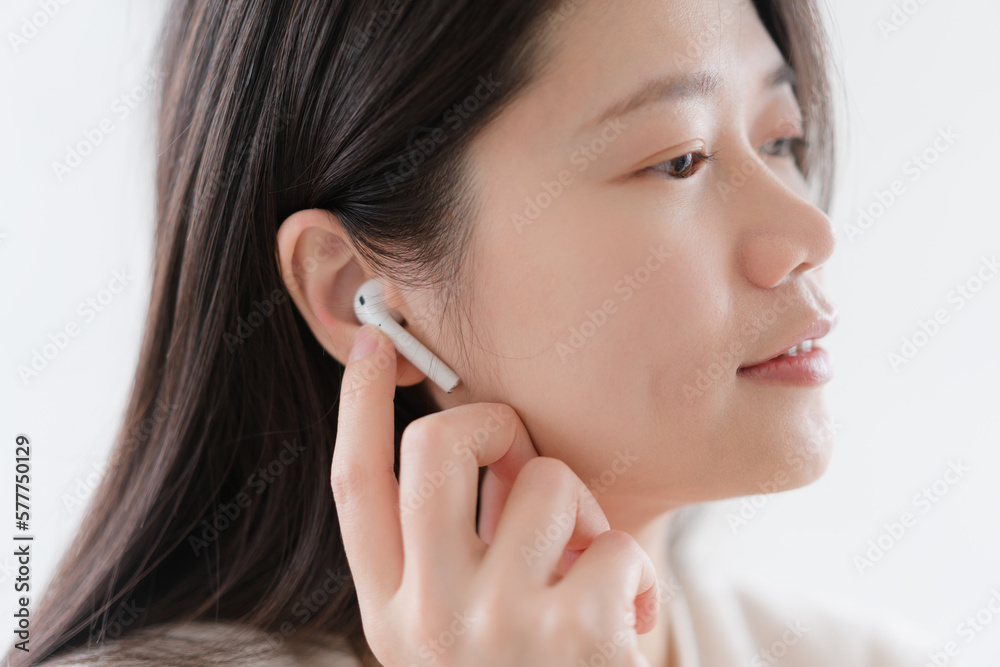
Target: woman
(607, 217)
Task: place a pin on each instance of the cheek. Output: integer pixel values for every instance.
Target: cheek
(595, 360)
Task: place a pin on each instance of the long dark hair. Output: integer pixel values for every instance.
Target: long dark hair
(216, 504)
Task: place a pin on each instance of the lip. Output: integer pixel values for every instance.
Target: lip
(819, 327)
(804, 369)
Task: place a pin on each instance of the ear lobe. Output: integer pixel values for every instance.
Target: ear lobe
(322, 273)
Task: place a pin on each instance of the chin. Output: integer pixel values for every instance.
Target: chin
(807, 458)
(794, 449)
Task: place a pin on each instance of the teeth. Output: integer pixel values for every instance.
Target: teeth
(804, 347)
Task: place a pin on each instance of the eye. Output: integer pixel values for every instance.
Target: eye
(684, 166)
(783, 147)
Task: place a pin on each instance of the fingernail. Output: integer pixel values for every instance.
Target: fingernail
(365, 342)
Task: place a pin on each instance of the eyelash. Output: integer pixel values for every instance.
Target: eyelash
(793, 143)
(699, 158)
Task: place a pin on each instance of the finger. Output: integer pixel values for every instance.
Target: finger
(617, 569)
(549, 510)
(439, 460)
(364, 484)
(492, 497)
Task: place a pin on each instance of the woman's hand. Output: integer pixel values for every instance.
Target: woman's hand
(431, 591)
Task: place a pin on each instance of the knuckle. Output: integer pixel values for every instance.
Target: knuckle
(550, 473)
(496, 616)
(422, 628)
(443, 629)
(423, 614)
(575, 615)
(600, 618)
(493, 638)
(546, 468)
(429, 428)
(347, 478)
(353, 386)
(619, 542)
(555, 620)
(421, 435)
(502, 411)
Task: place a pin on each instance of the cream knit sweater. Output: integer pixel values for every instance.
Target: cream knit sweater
(715, 622)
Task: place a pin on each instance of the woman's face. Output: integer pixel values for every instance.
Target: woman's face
(618, 280)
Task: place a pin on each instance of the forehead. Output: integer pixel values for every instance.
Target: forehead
(604, 49)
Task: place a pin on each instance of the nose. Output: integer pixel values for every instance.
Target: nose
(781, 232)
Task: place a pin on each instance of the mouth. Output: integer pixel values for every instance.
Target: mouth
(800, 361)
(805, 347)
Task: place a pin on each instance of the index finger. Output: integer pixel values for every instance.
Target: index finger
(364, 483)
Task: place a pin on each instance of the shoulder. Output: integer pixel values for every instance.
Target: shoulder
(204, 643)
(739, 620)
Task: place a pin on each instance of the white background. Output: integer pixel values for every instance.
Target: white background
(62, 239)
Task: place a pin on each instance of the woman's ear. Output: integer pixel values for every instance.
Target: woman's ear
(322, 273)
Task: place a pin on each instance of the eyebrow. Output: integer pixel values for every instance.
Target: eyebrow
(673, 88)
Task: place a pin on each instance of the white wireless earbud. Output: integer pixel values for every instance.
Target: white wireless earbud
(369, 306)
